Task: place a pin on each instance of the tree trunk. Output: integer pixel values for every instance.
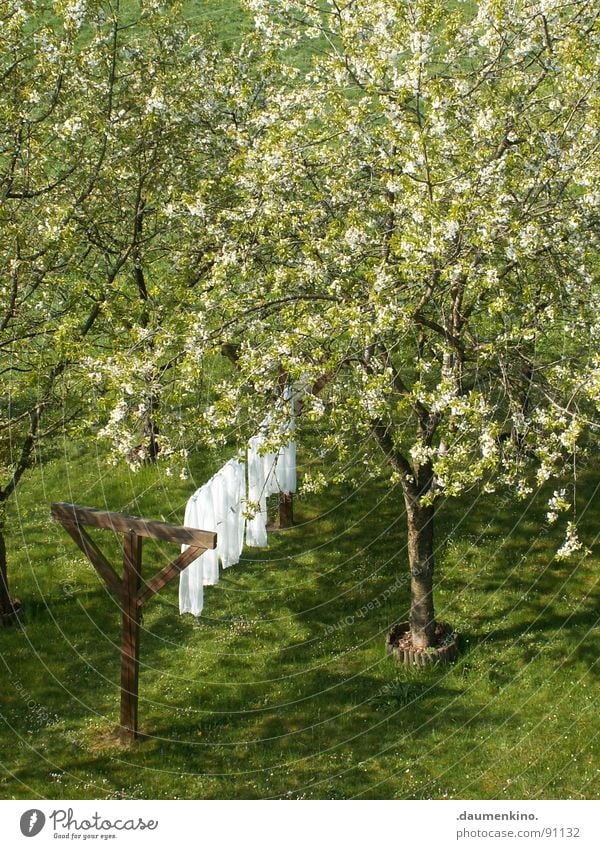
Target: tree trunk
(149, 434)
(419, 521)
(5, 603)
(149, 448)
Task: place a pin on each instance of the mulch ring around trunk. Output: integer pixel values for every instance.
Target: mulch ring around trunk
(10, 617)
(444, 649)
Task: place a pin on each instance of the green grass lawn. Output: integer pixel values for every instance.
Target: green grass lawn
(282, 688)
(225, 18)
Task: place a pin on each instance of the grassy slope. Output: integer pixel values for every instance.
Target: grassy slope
(225, 17)
(282, 688)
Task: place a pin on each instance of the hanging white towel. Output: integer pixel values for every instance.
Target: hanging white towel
(268, 474)
(271, 485)
(208, 513)
(217, 506)
(219, 503)
(199, 513)
(286, 460)
(231, 535)
(228, 492)
(256, 527)
(286, 468)
(191, 580)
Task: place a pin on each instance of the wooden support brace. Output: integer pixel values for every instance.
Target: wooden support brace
(95, 556)
(162, 578)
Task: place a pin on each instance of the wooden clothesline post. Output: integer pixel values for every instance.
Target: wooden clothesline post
(131, 591)
(286, 499)
(286, 510)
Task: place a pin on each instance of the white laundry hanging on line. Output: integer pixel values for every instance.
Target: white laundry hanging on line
(200, 514)
(268, 474)
(230, 493)
(191, 580)
(286, 460)
(258, 465)
(217, 506)
(285, 467)
(207, 517)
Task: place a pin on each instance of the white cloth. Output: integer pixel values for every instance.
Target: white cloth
(231, 492)
(200, 514)
(286, 461)
(191, 580)
(268, 473)
(209, 511)
(217, 506)
(258, 465)
(286, 468)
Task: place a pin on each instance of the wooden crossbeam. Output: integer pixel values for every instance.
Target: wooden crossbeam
(131, 590)
(121, 523)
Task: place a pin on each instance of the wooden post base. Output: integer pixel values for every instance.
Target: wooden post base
(286, 510)
(130, 640)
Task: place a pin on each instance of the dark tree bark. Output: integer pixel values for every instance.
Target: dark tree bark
(150, 432)
(21, 467)
(419, 521)
(417, 481)
(5, 602)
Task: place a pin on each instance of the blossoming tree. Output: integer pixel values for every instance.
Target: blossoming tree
(417, 240)
(101, 104)
(179, 105)
(39, 197)
(159, 172)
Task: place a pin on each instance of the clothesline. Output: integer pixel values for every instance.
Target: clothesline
(222, 505)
